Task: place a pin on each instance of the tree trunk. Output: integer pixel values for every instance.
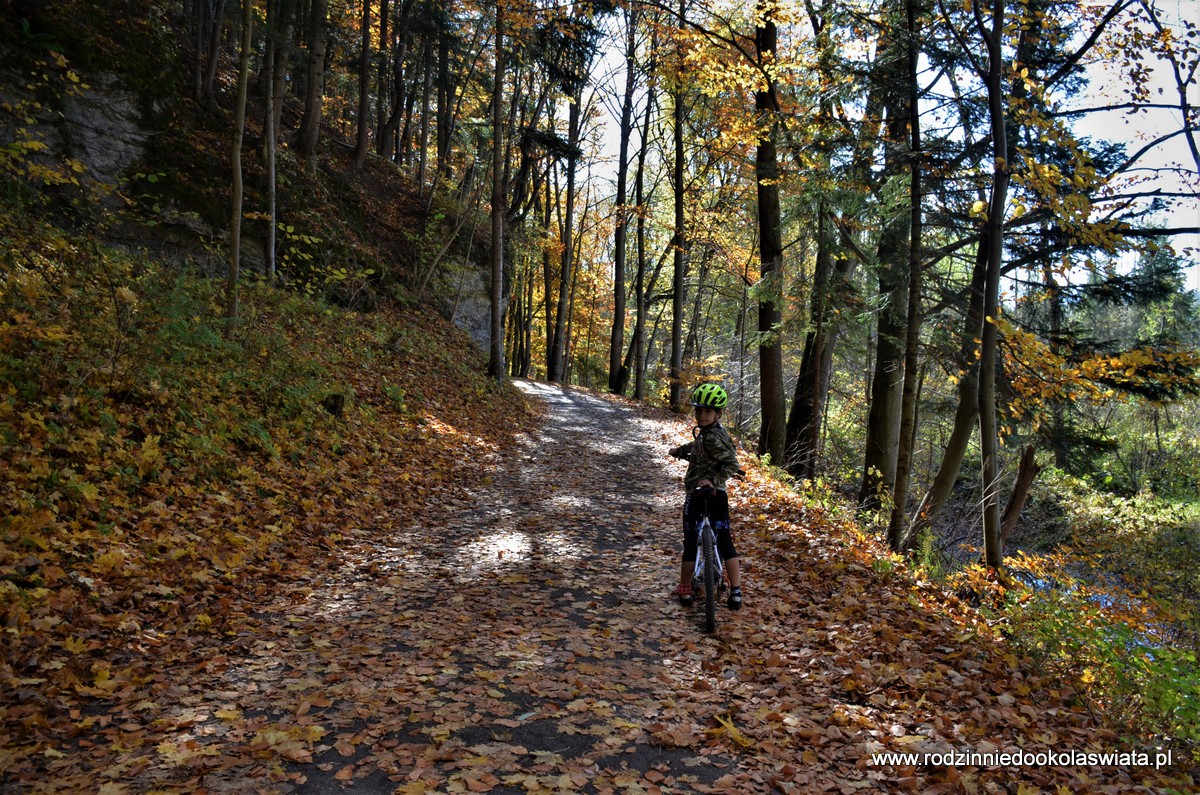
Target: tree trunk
(679, 239)
(883, 421)
(555, 363)
(444, 108)
(239, 130)
(968, 405)
(269, 139)
(804, 419)
(426, 91)
(908, 398)
(692, 348)
(639, 323)
(806, 416)
(617, 374)
(386, 142)
(1027, 472)
(310, 122)
(283, 25)
(773, 433)
(381, 79)
(527, 331)
(989, 440)
(216, 23)
(364, 89)
(496, 363)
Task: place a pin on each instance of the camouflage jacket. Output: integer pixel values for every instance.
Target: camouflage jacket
(710, 455)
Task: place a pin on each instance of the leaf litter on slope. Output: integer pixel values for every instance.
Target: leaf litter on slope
(519, 636)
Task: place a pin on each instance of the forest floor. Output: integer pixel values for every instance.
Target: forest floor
(518, 635)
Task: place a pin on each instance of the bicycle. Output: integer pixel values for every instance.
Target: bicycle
(709, 571)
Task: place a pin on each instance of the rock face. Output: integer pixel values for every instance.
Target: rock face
(471, 308)
(99, 127)
(102, 128)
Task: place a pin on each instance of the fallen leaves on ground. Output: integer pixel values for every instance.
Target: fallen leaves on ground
(488, 614)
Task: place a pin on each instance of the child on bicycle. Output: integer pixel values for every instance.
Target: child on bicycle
(712, 460)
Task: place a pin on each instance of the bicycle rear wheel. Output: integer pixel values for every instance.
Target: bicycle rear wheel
(708, 549)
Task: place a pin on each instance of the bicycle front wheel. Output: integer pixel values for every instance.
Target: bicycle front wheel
(709, 550)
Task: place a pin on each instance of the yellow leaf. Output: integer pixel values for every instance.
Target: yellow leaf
(734, 734)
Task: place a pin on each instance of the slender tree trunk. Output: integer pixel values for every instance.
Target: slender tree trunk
(989, 439)
(968, 404)
(618, 375)
(426, 91)
(805, 418)
(239, 130)
(1027, 472)
(679, 242)
(527, 331)
(364, 89)
(1058, 422)
(269, 137)
(444, 107)
(201, 17)
(387, 141)
(692, 349)
(548, 267)
(310, 123)
(989, 360)
(381, 79)
(639, 326)
(908, 399)
(883, 422)
(555, 364)
(773, 434)
(496, 364)
(283, 27)
(217, 21)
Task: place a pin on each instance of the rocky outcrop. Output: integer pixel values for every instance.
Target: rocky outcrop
(101, 127)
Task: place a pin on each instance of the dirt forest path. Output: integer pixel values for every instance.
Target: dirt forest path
(519, 636)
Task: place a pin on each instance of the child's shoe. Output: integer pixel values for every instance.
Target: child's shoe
(685, 593)
(735, 598)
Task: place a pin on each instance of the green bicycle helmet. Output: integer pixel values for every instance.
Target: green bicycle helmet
(710, 396)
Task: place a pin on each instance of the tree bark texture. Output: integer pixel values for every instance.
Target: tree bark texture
(989, 438)
(364, 89)
(883, 422)
(556, 364)
(618, 375)
(496, 362)
(680, 239)
(310, 122)
(908, 396)
(773, 432)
